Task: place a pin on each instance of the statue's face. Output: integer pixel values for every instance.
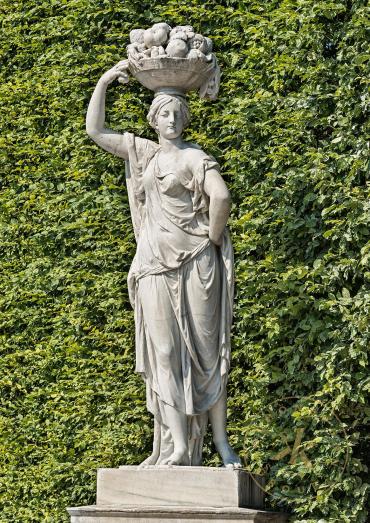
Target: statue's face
(170, 123)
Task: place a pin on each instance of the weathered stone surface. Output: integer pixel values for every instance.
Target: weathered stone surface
(181, 279)
(176, 495)
(119, 514)
(185, 486)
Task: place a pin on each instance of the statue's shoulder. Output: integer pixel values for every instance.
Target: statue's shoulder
(193, 146)
(140, 142)
(196, 155)
(140, 148)
(193, 150)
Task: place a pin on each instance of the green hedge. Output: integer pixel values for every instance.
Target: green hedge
(290, 130)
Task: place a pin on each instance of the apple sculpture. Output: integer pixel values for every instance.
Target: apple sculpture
(157, 35)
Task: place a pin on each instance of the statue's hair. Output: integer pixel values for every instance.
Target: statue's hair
(163, 99)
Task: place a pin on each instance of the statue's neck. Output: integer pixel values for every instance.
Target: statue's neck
(171, 145)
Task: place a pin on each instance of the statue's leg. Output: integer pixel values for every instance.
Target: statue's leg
(153, 458)
(177, 423)
(163, 347)
(217, 416)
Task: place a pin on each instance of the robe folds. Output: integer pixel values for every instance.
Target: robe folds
(181, 289)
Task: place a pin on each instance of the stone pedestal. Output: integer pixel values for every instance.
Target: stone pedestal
(176, 495)
(184, 486)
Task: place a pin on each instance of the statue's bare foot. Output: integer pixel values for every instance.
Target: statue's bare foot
(229, 457)
(178, 457)
(151, 460)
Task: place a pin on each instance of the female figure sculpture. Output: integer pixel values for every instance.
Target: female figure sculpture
(181, 279)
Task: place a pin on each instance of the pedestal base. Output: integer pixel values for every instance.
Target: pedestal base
(119, 514)
(180, 486)
(176, 495)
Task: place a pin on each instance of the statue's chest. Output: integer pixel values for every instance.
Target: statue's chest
(169, 180)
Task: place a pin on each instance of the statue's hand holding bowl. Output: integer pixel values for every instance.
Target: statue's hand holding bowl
(118, 72)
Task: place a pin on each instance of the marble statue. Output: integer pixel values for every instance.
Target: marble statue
(181, 278)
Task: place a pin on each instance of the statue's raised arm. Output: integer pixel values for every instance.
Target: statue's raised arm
(109, 140)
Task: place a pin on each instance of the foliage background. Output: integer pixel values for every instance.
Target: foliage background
(290, 131)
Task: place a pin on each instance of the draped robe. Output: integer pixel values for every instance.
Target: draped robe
(181, 289)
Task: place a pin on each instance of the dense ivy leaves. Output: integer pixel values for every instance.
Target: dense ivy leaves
(290, 130)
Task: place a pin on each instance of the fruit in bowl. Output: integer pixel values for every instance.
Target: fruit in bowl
(156, 35)
(178, 59)
(177, 48)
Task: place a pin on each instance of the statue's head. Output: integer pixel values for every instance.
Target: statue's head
(169, 115)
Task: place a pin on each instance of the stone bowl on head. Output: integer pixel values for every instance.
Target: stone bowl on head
(179, 74)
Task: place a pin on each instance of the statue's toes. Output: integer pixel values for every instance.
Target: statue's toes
(166, 462)
(233, 461)
(236, 465)
(151, 460)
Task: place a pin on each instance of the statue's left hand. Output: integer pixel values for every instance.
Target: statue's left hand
(216, 241)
